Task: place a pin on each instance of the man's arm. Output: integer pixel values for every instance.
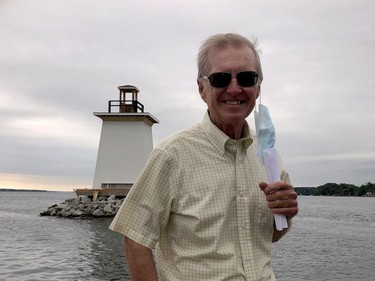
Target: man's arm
(140, 260)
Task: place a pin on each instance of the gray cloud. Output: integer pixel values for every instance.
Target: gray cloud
(62, 60)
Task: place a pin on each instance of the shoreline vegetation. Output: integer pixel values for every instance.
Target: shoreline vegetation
(22, 190)
(335, 189)
(327, 189)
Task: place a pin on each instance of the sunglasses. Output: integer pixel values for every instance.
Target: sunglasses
(223, 79)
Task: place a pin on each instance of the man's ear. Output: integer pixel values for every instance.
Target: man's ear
(201, 90)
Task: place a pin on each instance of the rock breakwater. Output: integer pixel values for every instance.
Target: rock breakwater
(83, 206)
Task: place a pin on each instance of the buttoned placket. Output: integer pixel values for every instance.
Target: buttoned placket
(243, 209)
(237, 150)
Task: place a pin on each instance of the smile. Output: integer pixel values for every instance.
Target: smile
(233, 102)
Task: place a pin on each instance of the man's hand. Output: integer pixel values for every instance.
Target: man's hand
(281, 198)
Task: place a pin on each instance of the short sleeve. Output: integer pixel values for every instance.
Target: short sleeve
(145, 211)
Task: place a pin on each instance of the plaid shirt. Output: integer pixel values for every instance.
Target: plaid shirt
(198, 202)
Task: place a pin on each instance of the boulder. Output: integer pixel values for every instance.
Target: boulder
(98, 213)
(112, 197)
(66, 214)
(108, 208)
(77, 213)
(84, 199)
(72, 201)
(62, 206)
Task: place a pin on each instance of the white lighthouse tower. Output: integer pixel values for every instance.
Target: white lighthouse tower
(125, 141)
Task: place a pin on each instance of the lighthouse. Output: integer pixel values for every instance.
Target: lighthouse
(125, 141)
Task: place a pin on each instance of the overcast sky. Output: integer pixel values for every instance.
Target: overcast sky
(60, 61)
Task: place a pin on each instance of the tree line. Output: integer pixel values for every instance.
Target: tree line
(342, 189)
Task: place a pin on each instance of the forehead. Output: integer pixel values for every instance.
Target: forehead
(231, 59)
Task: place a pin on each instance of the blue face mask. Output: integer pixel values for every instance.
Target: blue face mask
(266, 139)
(265, 130)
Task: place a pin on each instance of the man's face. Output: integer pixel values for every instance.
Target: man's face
(230, 106)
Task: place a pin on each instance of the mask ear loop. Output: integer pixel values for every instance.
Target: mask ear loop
(260, 101)
(260, 92)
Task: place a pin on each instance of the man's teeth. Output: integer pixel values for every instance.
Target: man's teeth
(233, 102)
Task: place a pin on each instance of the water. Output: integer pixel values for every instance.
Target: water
(332, 239)
(51, 248)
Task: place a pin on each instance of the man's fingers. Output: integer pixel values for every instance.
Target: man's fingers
(277, 186)
(263, 185)
(284, 203)
(281, 195)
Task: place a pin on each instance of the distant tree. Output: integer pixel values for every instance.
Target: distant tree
(369, 188)
(327, 189)
(347, 189)
(305, 190)
(344, 189)
(361, 191)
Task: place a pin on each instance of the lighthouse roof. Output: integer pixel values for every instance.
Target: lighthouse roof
(128, 88)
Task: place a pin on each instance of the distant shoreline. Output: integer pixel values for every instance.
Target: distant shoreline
(22, 190)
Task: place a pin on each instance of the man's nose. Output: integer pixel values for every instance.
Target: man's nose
(233, 87)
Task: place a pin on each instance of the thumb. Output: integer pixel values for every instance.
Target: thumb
(263, 185)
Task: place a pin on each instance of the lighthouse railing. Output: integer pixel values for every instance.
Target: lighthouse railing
(126, 106)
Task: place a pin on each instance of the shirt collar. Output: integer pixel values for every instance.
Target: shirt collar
(218, 138)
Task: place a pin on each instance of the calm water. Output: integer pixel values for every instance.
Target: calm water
(332, 239)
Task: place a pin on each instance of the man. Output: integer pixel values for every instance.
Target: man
(201, 199)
